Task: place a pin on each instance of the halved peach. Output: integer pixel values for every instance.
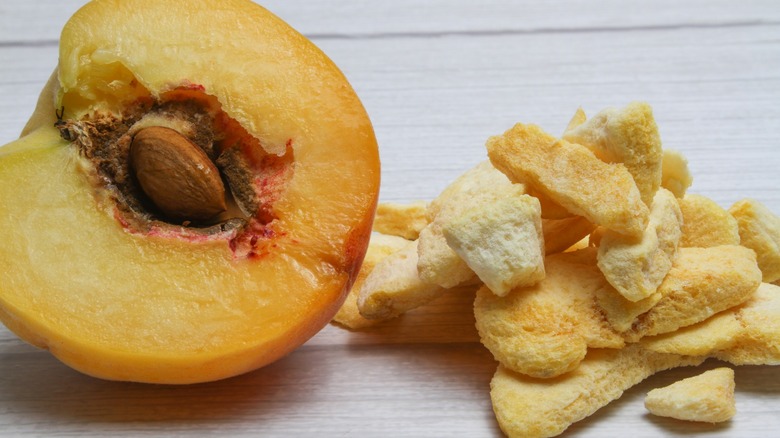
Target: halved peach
(118, 288)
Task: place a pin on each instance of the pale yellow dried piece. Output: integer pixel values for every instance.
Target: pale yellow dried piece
(403, 220)
(501, 242)
(621, 313)
(379, 247)
(701, 283)
(705, 223)
(636, 267)
(675, 175)
(572, 176)
(561, 234)
(394, 286)
(577, 119)
(629, 136)
(759, 230)
(545, 330)
(716, 333)
(472, 183)
(748, 334)
(707, 397)
(438, 263)
(581, 244)
(758, 343)
(527, 407)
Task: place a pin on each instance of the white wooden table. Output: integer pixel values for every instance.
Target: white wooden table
(438, 78)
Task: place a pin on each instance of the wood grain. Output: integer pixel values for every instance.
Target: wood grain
(438, 77)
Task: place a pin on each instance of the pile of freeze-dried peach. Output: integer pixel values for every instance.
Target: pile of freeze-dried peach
(596, 270)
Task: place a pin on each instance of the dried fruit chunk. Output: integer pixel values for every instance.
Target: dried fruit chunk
(403, 220)
(748, 334)
(701, 339)
(545, 330)
(394, 286)
(571, 176)
(576, 120)
(706, 224)
(527, 407)
(629, 136)
(707, 397)
(501, 242)
(561, 234)
(675, 175)
(438, 263)
(620, 312)
(759, 230)
(701, 283)
(144, 299)
(379, 247)
(758, 342)
(635, 267)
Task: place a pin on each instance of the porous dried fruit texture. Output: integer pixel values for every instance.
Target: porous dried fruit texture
(438, 263)
(699, 278)
(675, 175)
(636, 267)
(628, 135)
(545, 330)
(701, 283)
(759, 230)
(403, 220)
(379, 247)
(705, 223)
(502, 242)
(394, 286)
(185, 307)
(748, 334)
(572, 176)
(707, 397)
(527, 407)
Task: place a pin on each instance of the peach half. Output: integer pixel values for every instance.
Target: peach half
(113, 277)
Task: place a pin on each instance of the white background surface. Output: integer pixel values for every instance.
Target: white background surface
(438, 78)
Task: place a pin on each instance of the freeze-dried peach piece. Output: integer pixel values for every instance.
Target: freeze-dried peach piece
(502, 241)
(707, 397)
(748, 334)
(636, 267)
(572, 176)
(403, 220)
(379, 247)
(701, 283)
(528, 407)
(759, 230)
(705, 223)
(675, 175)
(438, 263)
(629, 136)
(394, 286)
(545, 330)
